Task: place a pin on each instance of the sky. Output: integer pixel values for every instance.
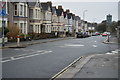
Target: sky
(96, 10)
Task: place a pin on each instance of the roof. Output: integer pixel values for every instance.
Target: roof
(33, 4)
(59, 12)
(73, 16)
(77, 18)
(69, 15)
(64, 14)
(54, 10)
(45, 6)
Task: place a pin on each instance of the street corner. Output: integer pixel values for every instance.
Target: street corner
(75, 68)
(93, 65)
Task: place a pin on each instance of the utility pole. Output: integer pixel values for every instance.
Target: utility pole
(83, 20)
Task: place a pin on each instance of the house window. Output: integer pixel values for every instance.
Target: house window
(36, 13)
(31, 28)
(25, 28)
(21, 9)
(21, 27)
(31, 13)
(36, 27)
(25, 13)
(15, 10)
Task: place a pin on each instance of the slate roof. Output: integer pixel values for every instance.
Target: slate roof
(69, 15)
(77, 18)
(54, 10)
(45, 6)
(59, 12)
(64, 14)
(73, 16)
(33, 4)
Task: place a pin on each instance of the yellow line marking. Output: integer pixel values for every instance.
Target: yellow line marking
(65, 69)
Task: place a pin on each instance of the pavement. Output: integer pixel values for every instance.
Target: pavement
(24, 44)
(112, 40)
(93, 66)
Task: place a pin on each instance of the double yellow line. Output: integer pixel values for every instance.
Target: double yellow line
(65, 69)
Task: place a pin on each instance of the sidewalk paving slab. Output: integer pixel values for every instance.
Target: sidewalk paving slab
(94, 66)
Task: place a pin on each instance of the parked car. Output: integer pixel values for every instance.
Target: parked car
(94, 34)
(97, 33)
(82, 35)
(106, 34)
(86, 35)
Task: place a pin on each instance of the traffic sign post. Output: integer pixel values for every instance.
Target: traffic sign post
(2, 13)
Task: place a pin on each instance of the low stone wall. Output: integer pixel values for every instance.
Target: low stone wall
(5, 39)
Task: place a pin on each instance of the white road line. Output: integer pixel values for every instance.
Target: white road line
(12, 58)
(5, 61)
(73, 45)
(114, 51)
(24, 54)
(94, 45)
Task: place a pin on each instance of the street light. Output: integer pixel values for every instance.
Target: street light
(84, 19)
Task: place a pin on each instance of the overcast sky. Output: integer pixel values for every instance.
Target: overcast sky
(96, 11)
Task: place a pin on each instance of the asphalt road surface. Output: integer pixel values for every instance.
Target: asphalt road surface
(47, 59)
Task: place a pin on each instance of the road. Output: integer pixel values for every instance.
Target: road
(47, 59)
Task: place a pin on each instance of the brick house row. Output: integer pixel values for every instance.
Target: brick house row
(41, 17)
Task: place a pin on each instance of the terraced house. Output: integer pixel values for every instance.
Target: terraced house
(41, 18)
(20, 16)
(61, 25)
(54, 24)
(47, 17)
(35, 20)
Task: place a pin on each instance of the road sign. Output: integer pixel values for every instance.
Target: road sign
(2, 4)
(2, 13)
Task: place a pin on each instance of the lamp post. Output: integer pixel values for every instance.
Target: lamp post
(94, 22)
(83, 20)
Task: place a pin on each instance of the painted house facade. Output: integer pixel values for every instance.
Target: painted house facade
(20, 16)
(35, 19)
(40, 17)
(46, 17)
(61, 25)
(73, 25)
(54, 27)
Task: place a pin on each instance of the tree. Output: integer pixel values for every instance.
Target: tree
(101, 27)
(113, 26)
(13, 32)
(6, 30)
